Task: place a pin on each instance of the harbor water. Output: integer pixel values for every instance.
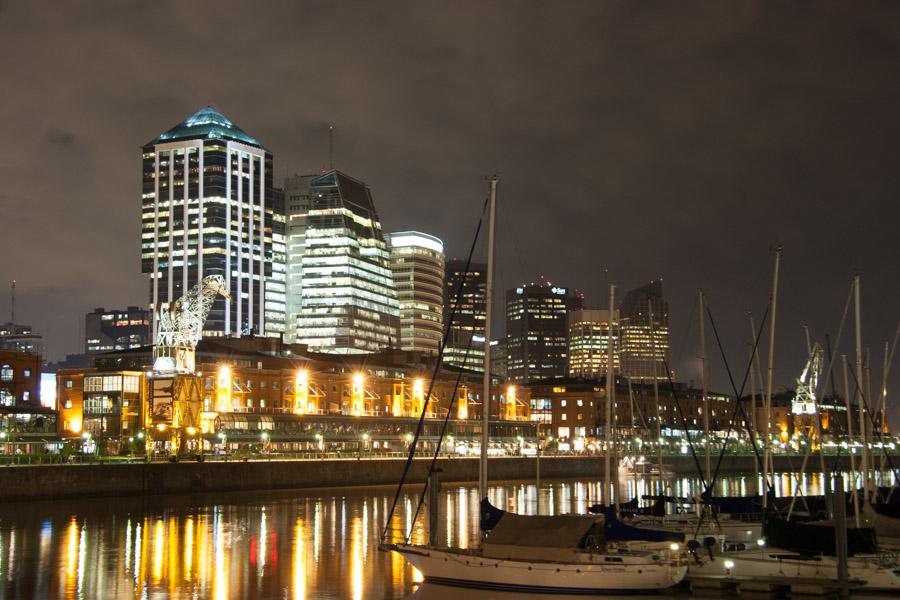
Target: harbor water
(308, 544)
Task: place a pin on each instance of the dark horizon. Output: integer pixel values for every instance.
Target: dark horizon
(633, 142)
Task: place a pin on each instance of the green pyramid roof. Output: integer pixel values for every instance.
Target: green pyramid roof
(206, 123)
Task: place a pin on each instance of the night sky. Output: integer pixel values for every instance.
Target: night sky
(675, 140)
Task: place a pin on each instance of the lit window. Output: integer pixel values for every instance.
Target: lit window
(26, 373)
(6, 373)
(563, 403)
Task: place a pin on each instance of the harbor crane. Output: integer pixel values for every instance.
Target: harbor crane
(181, 326)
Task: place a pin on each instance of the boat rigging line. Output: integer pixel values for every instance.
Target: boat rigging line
(437, 366)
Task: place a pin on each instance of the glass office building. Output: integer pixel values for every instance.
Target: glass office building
(209, 208)
(465, 344)
(347, 301)
(417, 261)
(645, 340)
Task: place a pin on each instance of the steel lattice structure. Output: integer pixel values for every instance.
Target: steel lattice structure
(180, 326)
(805, 396)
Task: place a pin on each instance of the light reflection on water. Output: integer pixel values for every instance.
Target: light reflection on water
(299, 545)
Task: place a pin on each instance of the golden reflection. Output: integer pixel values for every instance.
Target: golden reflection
(299, 562)
(220, 581)
(159, 543)
(188, 548)
(356, 558)
(71, 554)
(462, 504)
(173, 544)
(203, 550)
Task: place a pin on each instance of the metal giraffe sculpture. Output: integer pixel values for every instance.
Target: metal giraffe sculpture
(181, 325)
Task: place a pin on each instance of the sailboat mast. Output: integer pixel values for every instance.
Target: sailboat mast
(768, 400)
(659, 437)
(853, 485)
(864, 454)
(704, 378)
(610, 399)
(488, 304)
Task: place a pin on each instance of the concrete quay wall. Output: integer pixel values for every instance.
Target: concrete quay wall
(59, 482)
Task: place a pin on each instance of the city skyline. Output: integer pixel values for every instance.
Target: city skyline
(696, 192)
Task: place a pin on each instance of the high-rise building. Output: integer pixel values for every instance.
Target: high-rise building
(536, 331)
(296, 198)
(645, 341)
(467, 327)
(348, 303)
(20, 338)
(417, 262)
(209, 208)
(589, 339)
(107, 330)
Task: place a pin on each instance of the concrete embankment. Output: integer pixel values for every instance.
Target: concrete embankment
(58, 482)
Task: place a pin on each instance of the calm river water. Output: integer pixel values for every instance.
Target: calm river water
(296, 545)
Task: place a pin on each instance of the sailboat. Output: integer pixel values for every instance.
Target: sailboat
(565, 554)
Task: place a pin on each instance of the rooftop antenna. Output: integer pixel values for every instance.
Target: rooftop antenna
(331, 146)
(12, 304)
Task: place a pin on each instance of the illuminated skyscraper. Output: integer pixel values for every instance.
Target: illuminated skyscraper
(348, 303)
(645, 342)
(467, 329)
(209, 208)
(417, 261)
(536, 331)
(589, 342)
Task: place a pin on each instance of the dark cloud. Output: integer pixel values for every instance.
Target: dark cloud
(681, 140)
(61, 137)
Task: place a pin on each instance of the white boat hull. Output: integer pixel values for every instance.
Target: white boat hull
(461, 568)
(877, 573)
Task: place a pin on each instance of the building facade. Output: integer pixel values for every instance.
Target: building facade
(537, 326)
(644, 316)
(20, 378)
(348, 303)
(20, 338)
(209, 208)
(254, 387)
(106, 330)
(590, 336)
(296, 204)
(417, 263)
(465, 311)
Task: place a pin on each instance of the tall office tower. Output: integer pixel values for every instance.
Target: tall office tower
(209, 209)
(537, 326)
(417, 261)
(589, 337)
(467, 328)
(348, 303)
(296, 197)
(108, 330)
(645, 343)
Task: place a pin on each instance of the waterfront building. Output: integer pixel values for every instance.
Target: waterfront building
(348, 303)
(116, 329)
(465, 343)
(209, 208)
(299, 400)
(20, 378)
(25, 425)
(573, 408)
(417, 263)
(589, 340)
(20, 338)
(537, 330)
(644, 345)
